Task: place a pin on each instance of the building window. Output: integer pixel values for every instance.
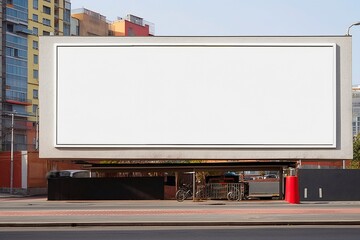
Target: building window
(17, 12)
(67, 15)
(46, 22)
(35, 18)
(35, 31)
(46, 10)
(10, 28)
(36, 74)
(35, 44)
(131, 32)
(36, 4)
(35, 108)
(35, 94)
(14, 52)
(46, 33)
(67, 5)
(20, 142)
(66, 29)
(36, 59)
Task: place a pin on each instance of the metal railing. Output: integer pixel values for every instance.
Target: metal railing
(230, 191)
(20, 100)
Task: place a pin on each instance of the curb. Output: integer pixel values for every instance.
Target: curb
(184, 224)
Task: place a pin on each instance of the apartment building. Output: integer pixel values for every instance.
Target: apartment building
(14, 75)
(22, 23)
(131, 25)
(89, 23)
(46, 17)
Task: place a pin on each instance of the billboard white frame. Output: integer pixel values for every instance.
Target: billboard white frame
(186, 97)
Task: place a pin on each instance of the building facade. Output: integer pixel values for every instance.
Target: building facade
(46, 17)
(23, 21)
(356, 110)
(131, 26)
(14, 75)
(89, 23)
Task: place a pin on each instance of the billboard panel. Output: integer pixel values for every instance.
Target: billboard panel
(207, 97)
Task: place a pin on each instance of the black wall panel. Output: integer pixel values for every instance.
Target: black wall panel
(329, 184)
(137, 188)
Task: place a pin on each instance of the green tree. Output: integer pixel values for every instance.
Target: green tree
(355, 162)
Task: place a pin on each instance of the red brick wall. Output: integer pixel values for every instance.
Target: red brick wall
(137, 30)
(324, 163)
(37, 169)
(5, 170)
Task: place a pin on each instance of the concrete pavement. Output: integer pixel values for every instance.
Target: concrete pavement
(37, 211)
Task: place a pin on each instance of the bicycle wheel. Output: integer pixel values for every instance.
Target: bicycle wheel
(200, 194)
(180, 195)
(233, 195)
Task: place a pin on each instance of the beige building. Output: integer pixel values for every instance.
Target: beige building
(45, 18)
(90, 23)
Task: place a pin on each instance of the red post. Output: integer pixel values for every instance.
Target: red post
(292, 190)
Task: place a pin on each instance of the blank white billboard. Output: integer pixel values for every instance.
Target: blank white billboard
(189, 95)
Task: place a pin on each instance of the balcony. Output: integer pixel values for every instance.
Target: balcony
(22, 29)
(18, 101)
(19, 124)
(6, 146)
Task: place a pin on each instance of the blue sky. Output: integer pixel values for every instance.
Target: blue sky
(240, 17)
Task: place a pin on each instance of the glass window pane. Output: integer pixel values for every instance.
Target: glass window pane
(35, 18)
(35, 94)
(46, 10)
(36, 59)
(35, 74)
(36, 4)
(35, 45)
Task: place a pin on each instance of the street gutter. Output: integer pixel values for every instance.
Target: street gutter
(172, 224)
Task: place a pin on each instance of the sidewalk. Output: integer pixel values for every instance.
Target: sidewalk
(37, 212)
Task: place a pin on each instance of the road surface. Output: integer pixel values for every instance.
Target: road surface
(183, 233)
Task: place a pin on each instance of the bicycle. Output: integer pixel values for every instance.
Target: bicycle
(183, 193)
(186, 192)
(236, 193)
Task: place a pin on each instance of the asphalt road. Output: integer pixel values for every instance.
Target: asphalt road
(182, 233)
